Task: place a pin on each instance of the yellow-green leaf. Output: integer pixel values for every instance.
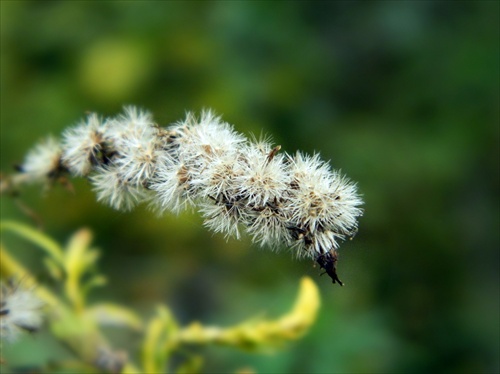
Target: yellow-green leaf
(110, 314)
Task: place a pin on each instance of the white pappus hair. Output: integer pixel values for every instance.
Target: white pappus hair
(237, 184)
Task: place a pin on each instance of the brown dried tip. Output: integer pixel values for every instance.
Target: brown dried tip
(273, 152)
(328, 261)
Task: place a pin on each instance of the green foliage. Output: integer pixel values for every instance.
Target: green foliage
(78, 325)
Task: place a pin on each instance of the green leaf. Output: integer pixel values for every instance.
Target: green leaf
(53, 268)
(109, 314)
(36, 237)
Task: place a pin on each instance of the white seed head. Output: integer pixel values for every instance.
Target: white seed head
(224, 215)
(207, 131)
(137, 162)
(197, 150)
(262, 176)
(322, 204)
(268, 226)
(43, 162)
(83, 145)
(20, 310)
(202, 141)
(217, 178)
(123, 130)
(172, 186)
(236, 184)
(112, 189)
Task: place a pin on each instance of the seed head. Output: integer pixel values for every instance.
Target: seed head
(238, 185)
(43, 163)
(83, 145)
(20, 310)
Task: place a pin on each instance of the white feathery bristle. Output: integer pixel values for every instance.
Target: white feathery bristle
(137, 161)
(112, 189)
(205, 139)
(201, 161)
(268, 226)
(262, 176)
(43, 161)
(172, 186)
(82, 145)
(208, 130)
(313, 201)
(125, 128)
(20, 310)
(224, 216)
(185, 172)
(217, 178)
(322, 203)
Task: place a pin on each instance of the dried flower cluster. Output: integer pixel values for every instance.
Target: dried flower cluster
(277, 198)
(20, 310)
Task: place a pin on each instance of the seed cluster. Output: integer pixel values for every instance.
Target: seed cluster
(20, 311)
(235, 183)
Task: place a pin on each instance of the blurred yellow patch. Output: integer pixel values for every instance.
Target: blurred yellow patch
(112, 70)
(258, 333)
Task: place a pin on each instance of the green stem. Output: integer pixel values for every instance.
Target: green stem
(82, 337)
(36, 237)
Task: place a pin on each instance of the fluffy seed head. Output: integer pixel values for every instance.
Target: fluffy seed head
(172, 185)
(112, 189)
(137, 159)
(124, 130)
(225, 215)
(261, 176)
(20, 310)
(196, 153)
(268, 226)
(83, 145)
(43, 162)
(322, 205)
(236, 184)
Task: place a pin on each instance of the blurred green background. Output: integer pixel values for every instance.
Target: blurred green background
(402, 96)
